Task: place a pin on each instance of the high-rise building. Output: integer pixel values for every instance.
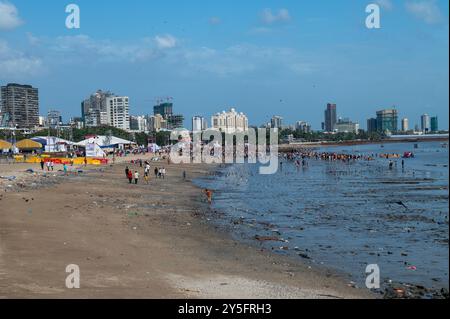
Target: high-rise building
(330, 117)
(156, 123)
(434, 124)
(346, 126)
(164, 109)
(54, 118)
(93, 109)
(276, 122)
(387, 121)
(372, 125)
(20, 105)
(118, 112)
(175, 121)
(138, 123)
(303, 127)
(425, 123)
(199, 124)
(230, 122)
(405, 125)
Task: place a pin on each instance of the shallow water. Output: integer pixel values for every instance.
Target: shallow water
(347, 216)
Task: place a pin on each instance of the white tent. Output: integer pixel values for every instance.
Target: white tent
(106, 142)
(53, 144)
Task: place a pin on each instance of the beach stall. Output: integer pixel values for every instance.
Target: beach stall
(28, 145)
(5, 146)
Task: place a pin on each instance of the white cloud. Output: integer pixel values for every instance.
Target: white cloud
(165, 41)
(268, 17)
(385, 4)
(242, 59)
(14, 63)
(426, 10)
(70, 48)
(9, 16)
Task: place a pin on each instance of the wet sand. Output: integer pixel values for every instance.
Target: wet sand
(144, 241)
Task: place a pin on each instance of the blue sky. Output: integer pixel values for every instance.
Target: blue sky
(265, 58)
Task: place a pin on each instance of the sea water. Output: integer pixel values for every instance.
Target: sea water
(345, 216)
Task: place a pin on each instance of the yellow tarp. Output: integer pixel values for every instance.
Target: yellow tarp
(4, 145)
(28, 145)
(76, 161)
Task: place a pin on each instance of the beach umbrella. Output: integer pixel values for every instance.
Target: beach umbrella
(4, 145)
(28, 145)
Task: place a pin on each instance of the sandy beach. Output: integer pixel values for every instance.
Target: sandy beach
(135, 241)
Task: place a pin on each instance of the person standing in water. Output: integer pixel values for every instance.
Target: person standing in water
(209, 195)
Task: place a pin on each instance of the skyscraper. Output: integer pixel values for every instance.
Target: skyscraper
(330, 117)
(405, 125)
(93, 109)
(163, 109)
(118, 112)
(20, 105)
(372, 125)
(425, 123)
(54, 118)
(387, 121)
(434, 124)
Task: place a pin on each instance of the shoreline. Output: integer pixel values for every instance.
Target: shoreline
(140, 242)
(290, 147)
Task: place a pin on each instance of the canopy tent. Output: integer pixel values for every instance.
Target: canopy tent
(28, 145)
(153, 148)
(4, 145)
(53, 144)
(106, 142)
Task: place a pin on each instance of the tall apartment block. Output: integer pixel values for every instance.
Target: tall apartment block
(20, 105)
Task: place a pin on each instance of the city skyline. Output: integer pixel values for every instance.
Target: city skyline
(97, 111)
(261, 59)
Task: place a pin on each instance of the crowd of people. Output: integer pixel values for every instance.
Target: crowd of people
(300, 157)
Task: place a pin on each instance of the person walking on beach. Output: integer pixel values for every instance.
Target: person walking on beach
(163, 173)
(184, 175)
(48, 166)
(147, 173)
(156, 172)
(42, 164)
(146, 177)
(65, 169)
(208, 194)
(126, 171)
(130, 176)
(136, 177)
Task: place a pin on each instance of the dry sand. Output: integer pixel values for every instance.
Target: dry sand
(136, 241)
